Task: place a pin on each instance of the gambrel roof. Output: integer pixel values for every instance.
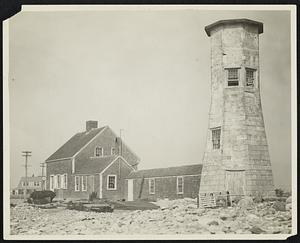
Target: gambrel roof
(74, 144)
(164, 172)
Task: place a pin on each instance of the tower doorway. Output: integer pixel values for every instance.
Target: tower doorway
(235, 182)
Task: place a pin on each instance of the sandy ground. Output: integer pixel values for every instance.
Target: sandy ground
(174, 217)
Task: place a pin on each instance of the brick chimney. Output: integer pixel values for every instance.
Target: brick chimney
(90, 125)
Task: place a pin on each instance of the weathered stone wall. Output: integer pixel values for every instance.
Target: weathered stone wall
(237, 110)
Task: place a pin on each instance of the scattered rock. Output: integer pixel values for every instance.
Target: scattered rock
(180, 217)
(279, 206)
(256, 230)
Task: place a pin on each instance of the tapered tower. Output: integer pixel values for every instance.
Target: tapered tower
(236, 157)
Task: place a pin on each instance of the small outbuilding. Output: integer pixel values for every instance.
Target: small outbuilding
(160, 183)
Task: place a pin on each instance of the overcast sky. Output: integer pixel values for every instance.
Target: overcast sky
(146, 72)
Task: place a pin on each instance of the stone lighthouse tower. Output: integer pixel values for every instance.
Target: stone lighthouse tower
(236, 157)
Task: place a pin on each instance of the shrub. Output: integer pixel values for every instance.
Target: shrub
(42, 196)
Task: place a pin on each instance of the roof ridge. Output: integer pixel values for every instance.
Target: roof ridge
(168, 167)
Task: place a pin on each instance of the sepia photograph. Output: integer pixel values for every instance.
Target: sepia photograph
(150, 122)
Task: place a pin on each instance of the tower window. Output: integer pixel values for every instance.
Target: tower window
(250, 74)
(216, 136)
(98, 151)
(112, 151)
(179, 185)
(233, 77)
(152, 186)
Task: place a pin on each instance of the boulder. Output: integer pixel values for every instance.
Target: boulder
(246, 203)
(288, 206)
(256, 230)
(279, 206)
(214, 222)
(258, 199)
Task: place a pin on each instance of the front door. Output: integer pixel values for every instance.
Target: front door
(235, 182)
(91, 185)
(130, 189)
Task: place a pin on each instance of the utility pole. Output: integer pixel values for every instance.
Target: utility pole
(26, 154)
(42, 165)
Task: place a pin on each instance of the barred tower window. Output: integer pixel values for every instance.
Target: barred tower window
(216, 137)
(250, 77)
(233, 77)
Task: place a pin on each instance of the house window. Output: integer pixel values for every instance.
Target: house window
(58, 182)
(83, 183)
(77, 178)
(233, 76)
(98, 151)
(111, 182)
(62, 186)
(52, 182)
(65, 180)
(216, 135)
(250, 74)
(179, 185)
(151, 186)
(55, 181)
(113, 151)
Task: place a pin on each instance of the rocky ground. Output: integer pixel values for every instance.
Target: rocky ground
(174, 217)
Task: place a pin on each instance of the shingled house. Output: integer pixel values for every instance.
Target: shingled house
(172, 183)
(95, 160)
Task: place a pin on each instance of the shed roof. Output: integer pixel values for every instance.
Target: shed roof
(170, 171)
(74, 144)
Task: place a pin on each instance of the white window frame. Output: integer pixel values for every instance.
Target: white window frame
(58, 182)
(82, 180)
(55, 181)
(182, 179)
(112, 151)
(152, 180)
(62, 186)
(107, 183)
(77, 178)
(101, 149)
(51, 179)
(65, 179)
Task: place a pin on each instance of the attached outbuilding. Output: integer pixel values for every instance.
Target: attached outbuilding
(160, 183)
